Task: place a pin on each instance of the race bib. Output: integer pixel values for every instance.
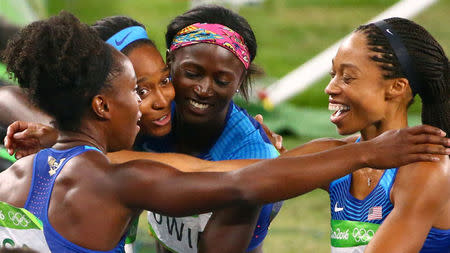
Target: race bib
(351, 236)
(21, 229)
(178, 234)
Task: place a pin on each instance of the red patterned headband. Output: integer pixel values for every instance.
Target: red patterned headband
(214, 34)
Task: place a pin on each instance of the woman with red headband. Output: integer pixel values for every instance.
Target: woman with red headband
(210, 55)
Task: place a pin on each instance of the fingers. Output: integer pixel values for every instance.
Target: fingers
(27, 133)
(421, 158)
(426, 129)
(431, 139)
(259, 118)
(9, 145)
(278, 141)
(16, 126)
(430, 149)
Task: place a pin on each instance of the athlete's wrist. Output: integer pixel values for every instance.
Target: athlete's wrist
(364, 154)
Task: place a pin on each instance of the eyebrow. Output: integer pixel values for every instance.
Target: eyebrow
(347, 65)
(141, 79)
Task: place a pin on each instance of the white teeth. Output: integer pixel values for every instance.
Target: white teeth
(198, 105)
(338, 107)
(162, 118)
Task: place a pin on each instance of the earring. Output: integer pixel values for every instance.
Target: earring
(237, 91)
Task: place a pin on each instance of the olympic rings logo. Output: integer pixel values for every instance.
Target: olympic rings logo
(18, 219)
(362, 235)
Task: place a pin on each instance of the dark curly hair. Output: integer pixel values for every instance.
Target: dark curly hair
(107, 27)
(63, 64)
(429, 61)
(215, 14)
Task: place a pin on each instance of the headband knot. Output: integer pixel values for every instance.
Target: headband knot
(216, 34)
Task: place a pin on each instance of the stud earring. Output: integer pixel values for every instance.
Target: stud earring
(237, 91)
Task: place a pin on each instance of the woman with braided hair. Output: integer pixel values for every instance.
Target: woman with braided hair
(375, 75)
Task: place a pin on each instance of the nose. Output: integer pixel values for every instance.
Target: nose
(161, 101)
(332, 88)
(204, 88)
(138, 98)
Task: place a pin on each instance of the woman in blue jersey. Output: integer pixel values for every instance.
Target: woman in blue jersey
(210, 55)
(156, 92)
(213, 130)
(375, 75)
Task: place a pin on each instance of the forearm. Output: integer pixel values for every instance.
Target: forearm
(14, 105)
(181, 162)
(283, 178)
(314, 146)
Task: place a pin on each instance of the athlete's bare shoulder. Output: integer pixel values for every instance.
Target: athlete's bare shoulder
(425, 185)
(16, 181)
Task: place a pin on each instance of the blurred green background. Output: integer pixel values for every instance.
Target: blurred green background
(289, 32)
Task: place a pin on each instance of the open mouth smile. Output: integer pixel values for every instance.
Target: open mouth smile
(341, 111)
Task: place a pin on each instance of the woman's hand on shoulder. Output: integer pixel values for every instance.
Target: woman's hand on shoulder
(275, 139)
(25, 138)
(399, 147)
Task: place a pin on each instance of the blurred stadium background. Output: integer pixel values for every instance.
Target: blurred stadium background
(289, 33)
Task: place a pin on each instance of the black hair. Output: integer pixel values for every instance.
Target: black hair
(107, 27)
(215, 14)
(63, 64)
(428, 59)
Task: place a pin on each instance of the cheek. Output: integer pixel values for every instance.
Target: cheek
(169, 92)
(146, 105)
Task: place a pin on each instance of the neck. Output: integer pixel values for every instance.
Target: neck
(395, 119)
(87, 135)
(197, 138)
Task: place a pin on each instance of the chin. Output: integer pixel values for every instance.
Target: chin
(345, 131)
(161, 131)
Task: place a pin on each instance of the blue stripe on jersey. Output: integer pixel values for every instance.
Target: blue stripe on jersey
(242, 138)
(47, 165)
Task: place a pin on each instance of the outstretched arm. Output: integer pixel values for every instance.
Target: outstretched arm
(188, 163)
(182, 162)
(421, 196)
(153, 186)
(15, 105)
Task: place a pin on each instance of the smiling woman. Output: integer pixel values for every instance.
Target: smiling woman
(375, 75)
(210, 55)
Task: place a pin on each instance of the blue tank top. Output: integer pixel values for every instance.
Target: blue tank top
(354, 222)
(242, 138)
(48, 163)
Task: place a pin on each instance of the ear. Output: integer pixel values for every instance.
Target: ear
(100, 107)
(397, 87)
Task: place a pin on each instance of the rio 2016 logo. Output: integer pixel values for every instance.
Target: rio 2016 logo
(18, 219)
(362, 235)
